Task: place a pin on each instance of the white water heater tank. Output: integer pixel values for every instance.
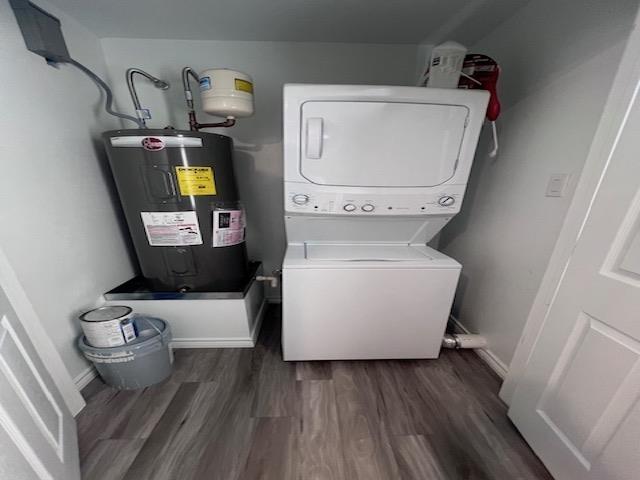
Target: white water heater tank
(226, 93)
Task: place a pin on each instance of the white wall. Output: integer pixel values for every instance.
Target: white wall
(558, 60)
(258, 139)
(60, 227)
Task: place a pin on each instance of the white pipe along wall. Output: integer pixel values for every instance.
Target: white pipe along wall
(61, 226)
(258, 139)
(558, 60)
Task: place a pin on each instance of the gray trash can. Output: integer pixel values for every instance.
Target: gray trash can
(145, 361)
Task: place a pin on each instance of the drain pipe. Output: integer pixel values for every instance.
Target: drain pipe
(463, 340)
(272, 279)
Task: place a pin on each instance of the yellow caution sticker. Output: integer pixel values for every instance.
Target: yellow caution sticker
(243, 85)
(196, 181)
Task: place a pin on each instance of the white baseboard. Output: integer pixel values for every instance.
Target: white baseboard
(212, 342)
(85, 377)
(485, 354)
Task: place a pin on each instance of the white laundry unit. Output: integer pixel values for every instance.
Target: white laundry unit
(371, 175)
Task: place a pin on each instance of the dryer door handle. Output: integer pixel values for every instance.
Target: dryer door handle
(314, 137)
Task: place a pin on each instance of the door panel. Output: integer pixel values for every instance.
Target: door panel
(28, 388)
(580, 391)
(622, 450)
(573, 403)
(623, 263)
(13, 464)
(365, 144)
(34, 418)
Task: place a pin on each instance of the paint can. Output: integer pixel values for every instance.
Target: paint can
(109, 326)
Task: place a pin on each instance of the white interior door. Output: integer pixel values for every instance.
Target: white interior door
(37, 431)
(578, 402)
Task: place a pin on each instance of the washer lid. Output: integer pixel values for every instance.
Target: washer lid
(325, 255)
(362, 253)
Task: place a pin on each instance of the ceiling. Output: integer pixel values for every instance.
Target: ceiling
(352, 21)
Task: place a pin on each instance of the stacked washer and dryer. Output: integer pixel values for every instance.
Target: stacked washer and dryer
(372, 174)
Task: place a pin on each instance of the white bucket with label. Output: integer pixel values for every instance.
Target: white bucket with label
(110, 326)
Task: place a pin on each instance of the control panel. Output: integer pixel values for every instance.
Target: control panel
(301, 198)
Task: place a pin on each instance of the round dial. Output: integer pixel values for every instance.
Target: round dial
(349, 207)
(367, 207)
(446, 201)
(300, 199)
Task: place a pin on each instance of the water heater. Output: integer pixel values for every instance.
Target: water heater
(180, 200)
(226, 93)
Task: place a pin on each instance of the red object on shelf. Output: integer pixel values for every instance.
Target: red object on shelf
(484, 72)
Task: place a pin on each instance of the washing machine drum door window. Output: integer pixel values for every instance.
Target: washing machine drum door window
(380, 144)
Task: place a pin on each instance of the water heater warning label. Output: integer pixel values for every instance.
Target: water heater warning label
(171, 229)
(196, 181)
(228, 227)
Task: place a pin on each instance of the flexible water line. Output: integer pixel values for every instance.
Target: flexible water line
(140, 112)
(188, 95)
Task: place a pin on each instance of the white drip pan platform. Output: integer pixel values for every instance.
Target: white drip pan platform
(201, 319)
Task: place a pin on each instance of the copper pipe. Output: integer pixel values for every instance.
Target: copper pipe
(194, 125)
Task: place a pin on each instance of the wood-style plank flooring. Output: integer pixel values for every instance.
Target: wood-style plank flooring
(228, 414)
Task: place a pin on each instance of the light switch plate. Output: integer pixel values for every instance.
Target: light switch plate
(557, 185)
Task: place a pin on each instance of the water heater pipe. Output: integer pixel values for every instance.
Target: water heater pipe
(188, 95)
(273, 281)
(194, 126)
(141, 113)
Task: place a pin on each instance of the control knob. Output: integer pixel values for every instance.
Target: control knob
(446, 201)
(367, 207)
(300, 199)
(349, 207)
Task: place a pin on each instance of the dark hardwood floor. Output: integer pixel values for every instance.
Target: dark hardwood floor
(244, 414)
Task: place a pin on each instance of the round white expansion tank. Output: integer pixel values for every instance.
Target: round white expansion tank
(226, 93)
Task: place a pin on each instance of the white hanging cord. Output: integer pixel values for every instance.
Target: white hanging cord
(494, 152)
(470, 78)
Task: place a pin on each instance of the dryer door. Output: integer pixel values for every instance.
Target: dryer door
(380, 144)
